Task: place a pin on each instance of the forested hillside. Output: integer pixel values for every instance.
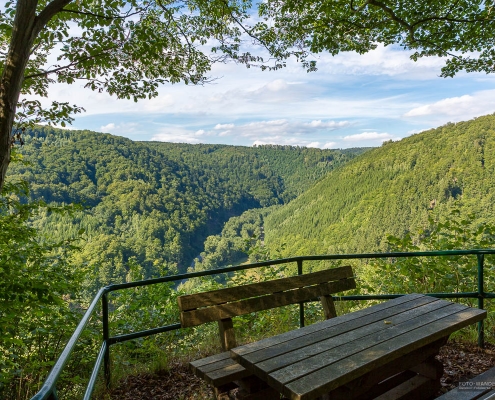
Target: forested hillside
(392, 190)
(155, 203)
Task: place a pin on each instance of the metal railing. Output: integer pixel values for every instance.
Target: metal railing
(48, 390)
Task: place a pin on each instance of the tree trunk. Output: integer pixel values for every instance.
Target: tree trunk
(13, 75)
(26, 28)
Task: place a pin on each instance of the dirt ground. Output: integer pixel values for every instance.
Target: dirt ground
(460, 360)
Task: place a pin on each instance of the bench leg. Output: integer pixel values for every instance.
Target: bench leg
(222, 392)
(253, 388)
(264, 394)
(431, 368)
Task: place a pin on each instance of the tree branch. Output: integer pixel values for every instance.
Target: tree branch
(35, 48)
(247, 31)
(108, 17)
(72, 64)
(436, 18)
(394, 17)
(357, 10)
(171, 17)
(52, 8)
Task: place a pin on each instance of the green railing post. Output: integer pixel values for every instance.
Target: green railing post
(301, 305)
(481, 298)
(106, 336)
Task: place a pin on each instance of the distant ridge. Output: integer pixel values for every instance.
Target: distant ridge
(391, 190)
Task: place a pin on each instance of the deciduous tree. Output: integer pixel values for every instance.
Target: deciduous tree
(124, 47)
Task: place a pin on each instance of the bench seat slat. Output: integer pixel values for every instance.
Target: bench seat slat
(219, 369)
(229, 310)
(205, 299)
(210, 359)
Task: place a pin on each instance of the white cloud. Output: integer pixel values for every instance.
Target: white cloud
(330, 145)
(329, 124)
(108, 127)
(367, 136)
(276, 85)
(388, 61)
(287, 128)
(277, 131)
(288, 93)
(260, 91)
(119, 129)
(180, 135)
(448, 106)
(457, 108)
(224, 126)
(161, 103)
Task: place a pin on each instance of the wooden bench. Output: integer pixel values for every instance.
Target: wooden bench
(477, 388)
(221, 305)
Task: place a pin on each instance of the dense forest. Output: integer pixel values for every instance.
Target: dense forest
(393, 190)
(155, 203)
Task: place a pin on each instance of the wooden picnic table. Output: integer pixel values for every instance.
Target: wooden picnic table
(385, 352)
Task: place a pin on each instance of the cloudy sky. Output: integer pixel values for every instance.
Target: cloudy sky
(350, 101)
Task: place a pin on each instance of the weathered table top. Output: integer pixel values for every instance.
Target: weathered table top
(309, 362)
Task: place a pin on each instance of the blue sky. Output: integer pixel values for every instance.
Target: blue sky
(352, 100)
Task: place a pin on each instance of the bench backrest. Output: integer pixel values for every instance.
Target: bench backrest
(223, 304)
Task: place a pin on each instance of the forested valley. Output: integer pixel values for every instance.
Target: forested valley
(93, 209)
(155, 203)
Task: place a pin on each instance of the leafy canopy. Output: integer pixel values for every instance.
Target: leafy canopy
(128, 48)
(452, 274)
(462, 31)
(124, 47)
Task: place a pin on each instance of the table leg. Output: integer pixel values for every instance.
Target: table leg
(419, 368)
(424, 385)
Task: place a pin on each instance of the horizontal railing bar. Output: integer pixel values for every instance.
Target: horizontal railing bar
(149, 332)
(393, 296)
(96, 370)
(171, 278)
(55, 372)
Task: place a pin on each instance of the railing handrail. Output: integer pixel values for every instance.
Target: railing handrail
(146, 282)
(48, 390)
